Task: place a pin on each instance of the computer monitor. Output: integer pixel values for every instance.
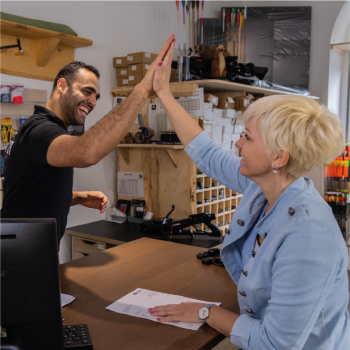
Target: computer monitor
(31, 316)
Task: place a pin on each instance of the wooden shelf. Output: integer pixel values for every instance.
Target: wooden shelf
(210, 85)
(177, 89)
(341, 47)
(171, 150)
(34, 33)
(213, 85)
(44, 51)
(151, 145)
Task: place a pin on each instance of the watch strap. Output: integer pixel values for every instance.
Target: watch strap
(204, 319)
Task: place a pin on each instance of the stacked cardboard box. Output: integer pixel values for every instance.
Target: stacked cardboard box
(221, 123)
(138, 65)
(132, 68)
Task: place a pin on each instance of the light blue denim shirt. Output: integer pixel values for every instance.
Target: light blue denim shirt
(293, 294)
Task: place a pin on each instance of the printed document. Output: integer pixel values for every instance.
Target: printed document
(140, 300)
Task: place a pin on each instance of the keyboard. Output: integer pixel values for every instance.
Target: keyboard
(77, 337)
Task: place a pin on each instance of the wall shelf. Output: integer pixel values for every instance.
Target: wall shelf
(171, 150)
(44, 51)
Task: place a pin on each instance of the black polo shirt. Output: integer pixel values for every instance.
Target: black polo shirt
(32, 187)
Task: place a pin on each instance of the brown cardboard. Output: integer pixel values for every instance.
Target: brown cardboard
(122, 72)
(135, 79)
(211, 99)
(138, 68)
(123, 82)
(120, 62)
(140, 57)
(226, 103)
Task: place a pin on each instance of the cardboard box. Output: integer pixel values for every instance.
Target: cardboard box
(211, 99)
(135, 79)
(226, 102)
(122, 72)
(123, 82)
(120, 62)
(138, 68)
(140, 57)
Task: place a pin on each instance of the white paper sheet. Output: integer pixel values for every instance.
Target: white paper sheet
(130, 184)
(158, 120)
(140, 300)
(66, 299)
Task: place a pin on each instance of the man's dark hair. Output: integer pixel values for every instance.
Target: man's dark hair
(70, 70)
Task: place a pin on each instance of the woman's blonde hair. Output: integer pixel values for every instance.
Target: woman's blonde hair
(309, 132)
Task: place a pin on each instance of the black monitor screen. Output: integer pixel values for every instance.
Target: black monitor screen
(31, 316)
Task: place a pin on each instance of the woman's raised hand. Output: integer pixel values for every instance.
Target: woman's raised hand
(163, 71)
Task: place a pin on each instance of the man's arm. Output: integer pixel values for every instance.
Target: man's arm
(96, 143)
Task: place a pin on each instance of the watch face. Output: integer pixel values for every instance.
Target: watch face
(203, 313)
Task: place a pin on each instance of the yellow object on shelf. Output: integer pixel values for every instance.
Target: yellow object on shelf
(6, 129)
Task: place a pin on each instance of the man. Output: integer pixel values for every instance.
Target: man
(39, 161)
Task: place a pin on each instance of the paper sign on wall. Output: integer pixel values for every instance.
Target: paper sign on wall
(130, 184)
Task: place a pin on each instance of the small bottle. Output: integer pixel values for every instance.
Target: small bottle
(179, 71)
(186, 69)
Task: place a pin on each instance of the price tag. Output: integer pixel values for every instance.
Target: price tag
(119, 61)
(131, 78)
(123, 72)
(133, 67)
(125, 81)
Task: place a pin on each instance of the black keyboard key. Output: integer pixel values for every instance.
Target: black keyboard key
(77, 337)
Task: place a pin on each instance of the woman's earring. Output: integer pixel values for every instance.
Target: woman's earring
(274, 169)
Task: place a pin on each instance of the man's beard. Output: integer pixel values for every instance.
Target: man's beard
(69, 107)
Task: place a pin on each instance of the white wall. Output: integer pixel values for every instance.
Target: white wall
(119, 28)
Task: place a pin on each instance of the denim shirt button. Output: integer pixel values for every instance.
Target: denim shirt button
(245, 273)
(250, 311)
(291, 211)
(227, 231)
(243, 294)
(240, 222)
(265, 234)
(253, 253)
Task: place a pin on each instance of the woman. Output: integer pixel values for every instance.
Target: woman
(284, 249)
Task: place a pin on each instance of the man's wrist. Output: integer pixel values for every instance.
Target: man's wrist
(139, 88)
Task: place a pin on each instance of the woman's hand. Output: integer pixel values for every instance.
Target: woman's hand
(147, 81)
(184, 312)
(163, 71)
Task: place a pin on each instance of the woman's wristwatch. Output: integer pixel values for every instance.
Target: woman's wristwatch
(203, 312)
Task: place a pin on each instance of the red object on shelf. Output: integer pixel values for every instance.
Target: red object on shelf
(17, 99)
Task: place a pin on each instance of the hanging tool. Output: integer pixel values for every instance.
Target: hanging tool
(223, 20)
(202, 23)
(234, 30)
(183, 9)
(6, 129)
(193, 3)
(188, 17)
(245, 31)
(177, 2)
(12, 46)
